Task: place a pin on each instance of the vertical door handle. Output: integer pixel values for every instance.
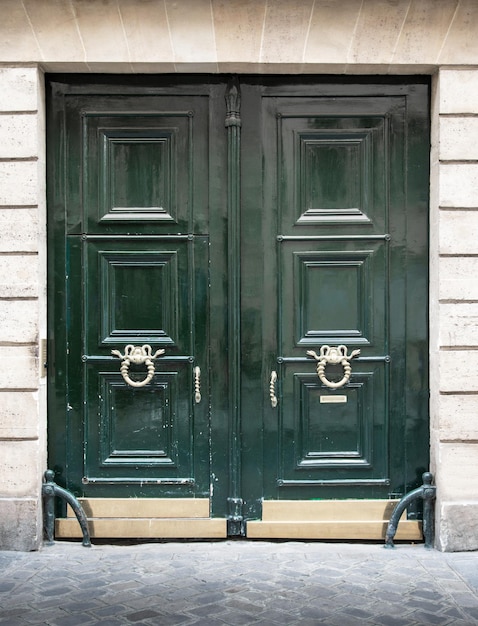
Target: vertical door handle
(272, 389)
(197, 385)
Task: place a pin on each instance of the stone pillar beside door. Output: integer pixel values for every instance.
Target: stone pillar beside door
(22, 287)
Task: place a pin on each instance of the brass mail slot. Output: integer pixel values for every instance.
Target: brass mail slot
(332, 399)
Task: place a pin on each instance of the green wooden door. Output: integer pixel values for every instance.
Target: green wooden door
(344, 256)
(238, 234)
(131, 169)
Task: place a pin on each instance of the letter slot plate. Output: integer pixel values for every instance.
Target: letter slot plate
(333, 399)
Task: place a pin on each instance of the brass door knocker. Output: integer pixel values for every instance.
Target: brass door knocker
(137, 355)
(334, 356)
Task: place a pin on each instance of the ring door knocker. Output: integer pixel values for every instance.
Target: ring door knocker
(137, 355)
(333, 356)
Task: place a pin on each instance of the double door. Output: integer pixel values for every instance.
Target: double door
(238, 293)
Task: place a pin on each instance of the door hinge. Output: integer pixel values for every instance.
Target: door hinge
(43, 357)
(235, 518)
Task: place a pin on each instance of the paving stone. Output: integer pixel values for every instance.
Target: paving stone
(238, 583)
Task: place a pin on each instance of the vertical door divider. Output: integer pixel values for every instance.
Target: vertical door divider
(233, 125)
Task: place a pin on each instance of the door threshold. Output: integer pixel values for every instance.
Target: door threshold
(143, 518)
(148, 528)
(330, 519)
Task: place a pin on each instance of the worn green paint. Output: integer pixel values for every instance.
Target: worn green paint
(238, 248)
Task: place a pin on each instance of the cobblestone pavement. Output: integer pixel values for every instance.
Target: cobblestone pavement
(237, 583)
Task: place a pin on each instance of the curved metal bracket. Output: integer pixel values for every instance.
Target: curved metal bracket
(49, 490)
(137, 355)
(333, 356)
(428, 493)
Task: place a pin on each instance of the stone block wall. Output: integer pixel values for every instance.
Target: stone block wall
(454, 294)
(22, 413)
(436, 37)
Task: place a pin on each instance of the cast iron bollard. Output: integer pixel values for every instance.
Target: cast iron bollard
(428, 493)
(49, 490)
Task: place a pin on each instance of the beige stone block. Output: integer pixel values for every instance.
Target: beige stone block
(21, 525)
(332, 28)
(458, 278)
(424, 31)
(54, 26)
(461, 44)
(458, 139)
(19, 415)
(22, 371)
(458, 372)
(146, 29)
(238, 26)
(457, 471)
(457, 417)
(18, 88)
(18, 276)
(458, 91)
(457, 524)
(19, 230)
(154, 68)
(192, 30)
(18, 321)
(458, 232)
(286, 27)
(17, 40)
(378, 29)
(18, 136)
(18, 183)
(20, 469)
(459, 324)
(101, 30)
(105, 67)
(459, 185)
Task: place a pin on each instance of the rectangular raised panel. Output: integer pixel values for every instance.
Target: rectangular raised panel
(331, 295)
(139, 165)
(326, 197)
(142, 433)
(140, 294)
(327, 444)
(138, 175)
(339, 294)
(139, 428)
(337, 434)
(331, 168)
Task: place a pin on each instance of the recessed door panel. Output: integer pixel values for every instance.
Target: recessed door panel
(141, 290)
(139, 165)
(332, 439)
(339, 294)
(332, 164)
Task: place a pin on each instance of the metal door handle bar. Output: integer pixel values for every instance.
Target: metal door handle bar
(272, 389)
(197, 385)
(137, 355)
(334, 356)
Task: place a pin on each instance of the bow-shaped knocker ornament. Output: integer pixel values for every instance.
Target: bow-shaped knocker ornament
(137, 355)
(334, 356)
